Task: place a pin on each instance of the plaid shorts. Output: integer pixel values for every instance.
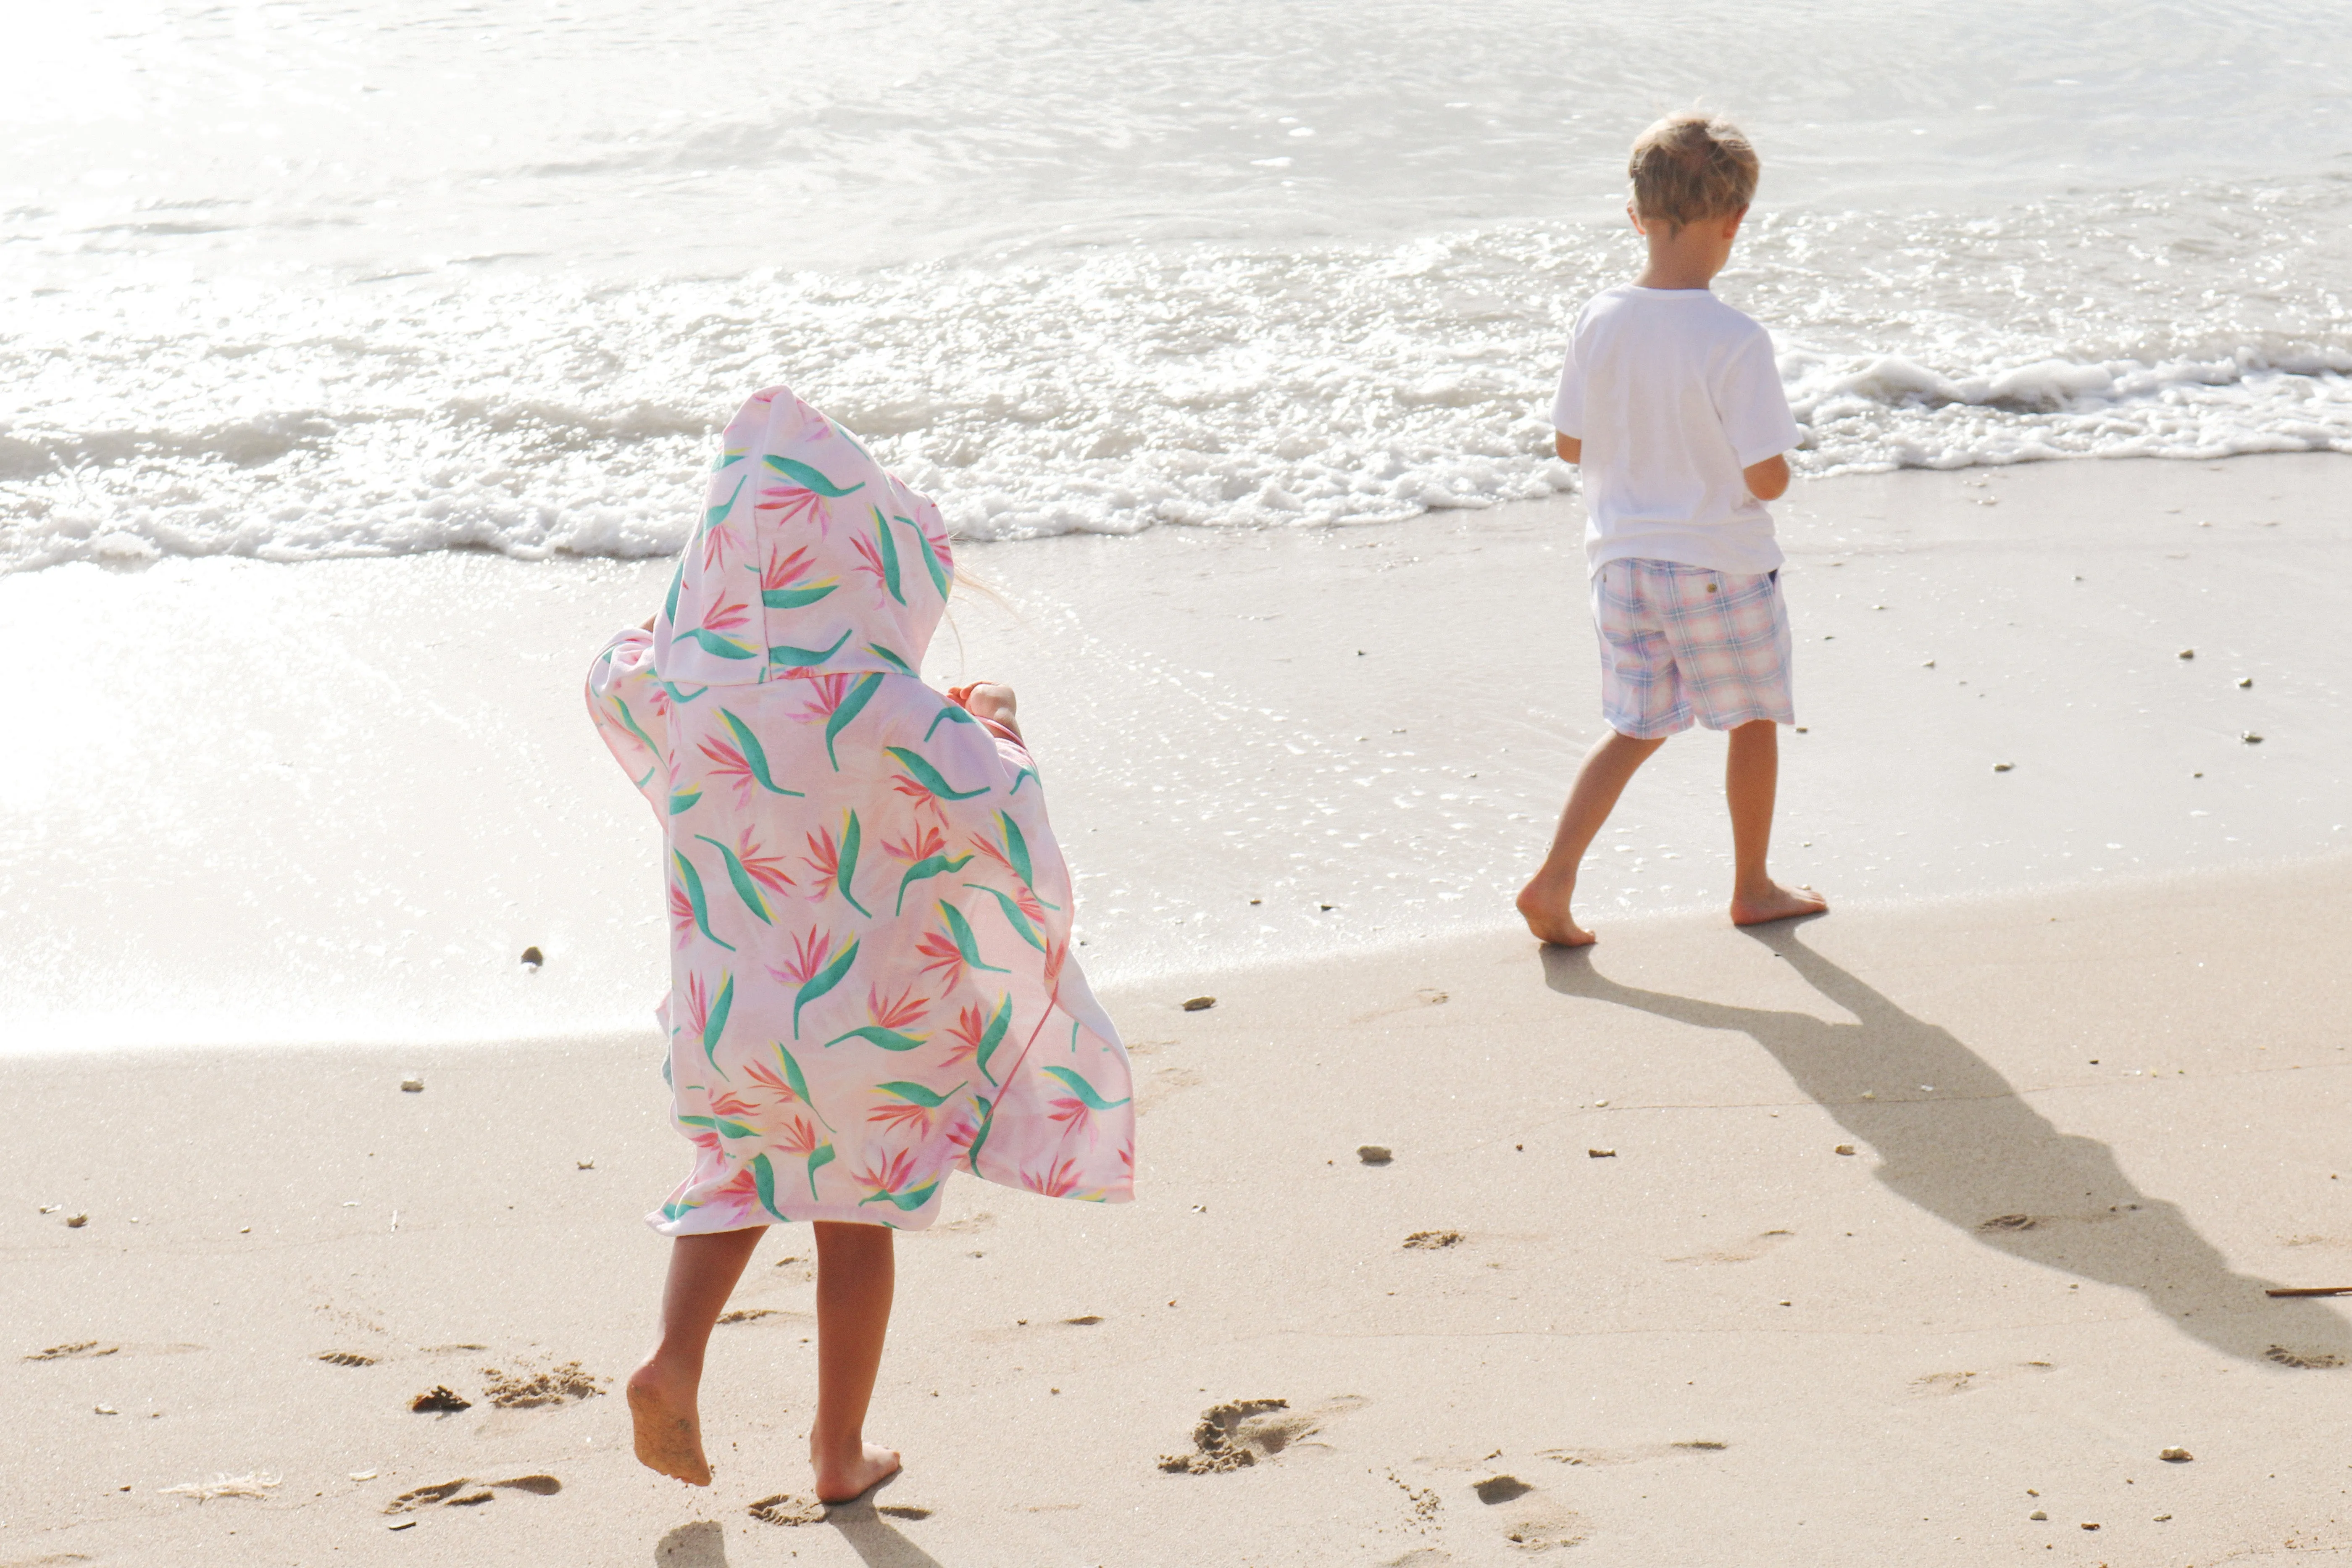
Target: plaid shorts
(1678, 641)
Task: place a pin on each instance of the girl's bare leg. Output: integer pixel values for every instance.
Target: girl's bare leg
(662, 1391)
(855, 1273)
(1544, 901)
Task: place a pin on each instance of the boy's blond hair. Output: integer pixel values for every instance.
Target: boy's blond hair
(1691, 166)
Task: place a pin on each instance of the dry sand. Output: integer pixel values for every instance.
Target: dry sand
(2089, 1128)
(2088, 1046)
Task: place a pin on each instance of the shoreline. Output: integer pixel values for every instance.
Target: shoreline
(417, 797)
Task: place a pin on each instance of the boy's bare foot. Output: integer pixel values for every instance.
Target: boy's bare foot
(1546, 910)
(1775, 903)
(852, 1476)
(668, 1427)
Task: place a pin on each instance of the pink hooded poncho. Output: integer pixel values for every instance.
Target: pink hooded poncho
(871, 982)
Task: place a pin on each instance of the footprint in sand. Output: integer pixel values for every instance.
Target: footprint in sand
(1741, 1252)
(1531, 1521)
(526, 1390)
(2307, 1361)
(78, 1350)
(1949, 1382)
(449, 1492)
(345, 1358)
(1241, 1432)
(1433, 1240)
(1641, 1454)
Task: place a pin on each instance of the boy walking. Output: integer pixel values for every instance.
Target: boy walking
(1672, 406)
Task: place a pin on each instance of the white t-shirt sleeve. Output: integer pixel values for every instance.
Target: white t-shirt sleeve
(1749, 401)
(1568, 404)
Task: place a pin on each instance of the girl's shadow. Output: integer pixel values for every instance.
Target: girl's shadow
(1981, 1159)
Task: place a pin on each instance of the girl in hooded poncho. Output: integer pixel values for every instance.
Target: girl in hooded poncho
(871, 982)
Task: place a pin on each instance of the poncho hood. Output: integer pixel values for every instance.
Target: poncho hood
(809, 557)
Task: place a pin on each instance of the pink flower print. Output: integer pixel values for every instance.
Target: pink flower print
(823, 859)
(727, 1103)
(869, 560)
(812, 949)
(784, 585)
(766, 870)
(944, 954)
(901, 1114)
(889, 1176)
(1058, 1180)
(714, 546)
(826, 692)
(729, 764)
(697, 1007)
(790, 502)
(727, 618)
(970, 1025)
(681, 916)
(920, 844)
(772, 1081)
(896, 1013)
(799, 1137)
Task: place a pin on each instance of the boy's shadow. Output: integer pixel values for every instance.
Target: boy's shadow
(703, 1543)
(1980, 1158)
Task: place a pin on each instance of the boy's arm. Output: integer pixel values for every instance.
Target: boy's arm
(1766, 480)
(1572, 449)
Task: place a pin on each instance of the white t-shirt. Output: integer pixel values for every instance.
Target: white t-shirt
(1673, 393)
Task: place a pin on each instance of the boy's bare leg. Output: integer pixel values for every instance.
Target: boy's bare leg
(1544, 901)
(662, 1391)
(1751, 776)
(856, 1271)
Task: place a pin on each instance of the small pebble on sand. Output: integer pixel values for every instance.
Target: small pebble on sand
(2244, 681)
(1199, 1003)
(585, 1165)
(76, 1221)
(2003, 767)
(2087, 1525)
(2175, 1456)
(2251, 739)
(105, 1410)
(2039, 1513)
(1601, 1154)
(1846, 1149)
(533, 957)
(413, 1084)
(1373, 1153)
(2188, 653)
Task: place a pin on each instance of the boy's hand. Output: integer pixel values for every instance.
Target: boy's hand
(1766, 480)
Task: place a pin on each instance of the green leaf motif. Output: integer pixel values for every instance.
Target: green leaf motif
(929, 865)
(721, 1125)
(994, 1036)
(803, 657)
(683, 800)
(980, 1135)
(851, 837)
(795, 598)
(630, 719)
(711, 515)
(1023, 777)
(715, 1025)
(892, 660)
(692, 881)
(921, 770)
(711, 643)
(949, 714)
(851, 707)
(810, 478)
(799, 1083)
(930, 559)
(682, 698)
(763, 1177)
(966, 944)
(823, 981)
(916, 1094)
(1016, 848)
(876, 1035)
(676, 581)
(1021, 923)
(727, 458)
(745, 888)
(907, 1201)
(756, 755)
(819, 1157)
(1084, 1090)
(889, 556)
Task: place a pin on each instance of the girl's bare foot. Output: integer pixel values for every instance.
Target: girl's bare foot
(840, 1478)
(667, 1427)
(1546, 910)
(1775, 902)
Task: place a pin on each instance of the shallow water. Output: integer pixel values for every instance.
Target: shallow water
(312, 279)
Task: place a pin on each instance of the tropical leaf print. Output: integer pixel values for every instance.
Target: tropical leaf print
(1083, 1091)
(706, 1019)
(891, 659)
(909, 1106)
(683, 800)
(949, 714)
(887, 1021)
(784, 586)
(793, 1087)
(887, 1182)
(889, 547)
(1023, 922)
(629, 721)
(977, 1032)
(692, 881)
(1056, 1179)
(851, 707)
(799, 1139)
(682, 698)
(1023, 777)
(715, 644)
(808, 478)
(745, 762)
(919, 771)
(804, 657)
(814, 970)
(763, 1177)
(746, 888)
(966, 944)
(721, 1125)
(931, 564)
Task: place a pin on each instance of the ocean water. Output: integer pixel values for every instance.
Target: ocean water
(312, 278)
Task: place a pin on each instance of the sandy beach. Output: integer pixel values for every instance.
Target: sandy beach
(1616, 1290)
